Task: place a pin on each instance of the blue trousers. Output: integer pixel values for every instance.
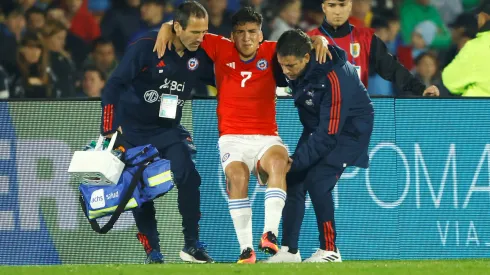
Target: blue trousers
(319, 182)
(186, 178)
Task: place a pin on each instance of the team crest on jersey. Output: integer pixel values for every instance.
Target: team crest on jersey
(192, 64)
(262, 64)
(355, 49)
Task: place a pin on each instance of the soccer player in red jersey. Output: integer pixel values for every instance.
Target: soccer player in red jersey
(249, 141)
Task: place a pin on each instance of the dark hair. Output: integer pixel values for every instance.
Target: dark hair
(156, 2)
(378, 23)
(118, 4)
(102, 75)
(389, 15)
(427, 54)
(34, 10)
(471, 32)
(187, 9)
(294, 43)
(246, 15)
(100, 41)
(16, 11)
(33, 39)
(52, 27)
(53, 6)
(468, 22)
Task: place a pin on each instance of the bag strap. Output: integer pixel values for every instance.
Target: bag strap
(147, 159)
(144, 150)
(120, 208)
(141, 152)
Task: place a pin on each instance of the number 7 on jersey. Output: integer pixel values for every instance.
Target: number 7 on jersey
(246, 76)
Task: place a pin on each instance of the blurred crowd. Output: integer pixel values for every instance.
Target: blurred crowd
(68, 48)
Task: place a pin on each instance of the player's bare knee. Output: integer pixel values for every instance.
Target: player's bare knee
(238, 177)
(275, 159)
(238, 187)
(276, 165)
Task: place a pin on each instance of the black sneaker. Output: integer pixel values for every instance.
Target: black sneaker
(196, 254)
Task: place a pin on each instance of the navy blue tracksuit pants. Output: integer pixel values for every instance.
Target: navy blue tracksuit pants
(319, 182)
(186, 178)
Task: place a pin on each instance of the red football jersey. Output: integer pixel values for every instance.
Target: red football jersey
(246, 90)
(358, 50)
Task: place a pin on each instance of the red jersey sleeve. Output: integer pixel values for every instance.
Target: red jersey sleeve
(212, 43)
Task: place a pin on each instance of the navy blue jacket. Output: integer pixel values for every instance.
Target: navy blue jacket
(336, 112)
(131, 97)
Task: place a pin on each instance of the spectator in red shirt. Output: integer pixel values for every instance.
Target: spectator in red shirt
(83, 23)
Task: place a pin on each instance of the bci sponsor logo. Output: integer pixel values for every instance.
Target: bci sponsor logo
(172, 85)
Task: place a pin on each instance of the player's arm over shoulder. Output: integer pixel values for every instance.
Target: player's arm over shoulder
(269, 46)
(216, 38)
(213, 43)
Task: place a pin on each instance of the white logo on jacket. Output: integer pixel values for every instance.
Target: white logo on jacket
(172, 85)
(151, 96)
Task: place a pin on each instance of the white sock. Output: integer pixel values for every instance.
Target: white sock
(241, 214)
(275, 198)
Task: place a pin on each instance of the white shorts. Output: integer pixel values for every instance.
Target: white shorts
(248, 149)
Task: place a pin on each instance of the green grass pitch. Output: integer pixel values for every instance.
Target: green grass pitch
(426, 267)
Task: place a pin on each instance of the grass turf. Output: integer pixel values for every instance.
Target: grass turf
(425, 267)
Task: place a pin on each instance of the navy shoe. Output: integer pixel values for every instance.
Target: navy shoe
(152, 256)
(196, 254)
(155, 257)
